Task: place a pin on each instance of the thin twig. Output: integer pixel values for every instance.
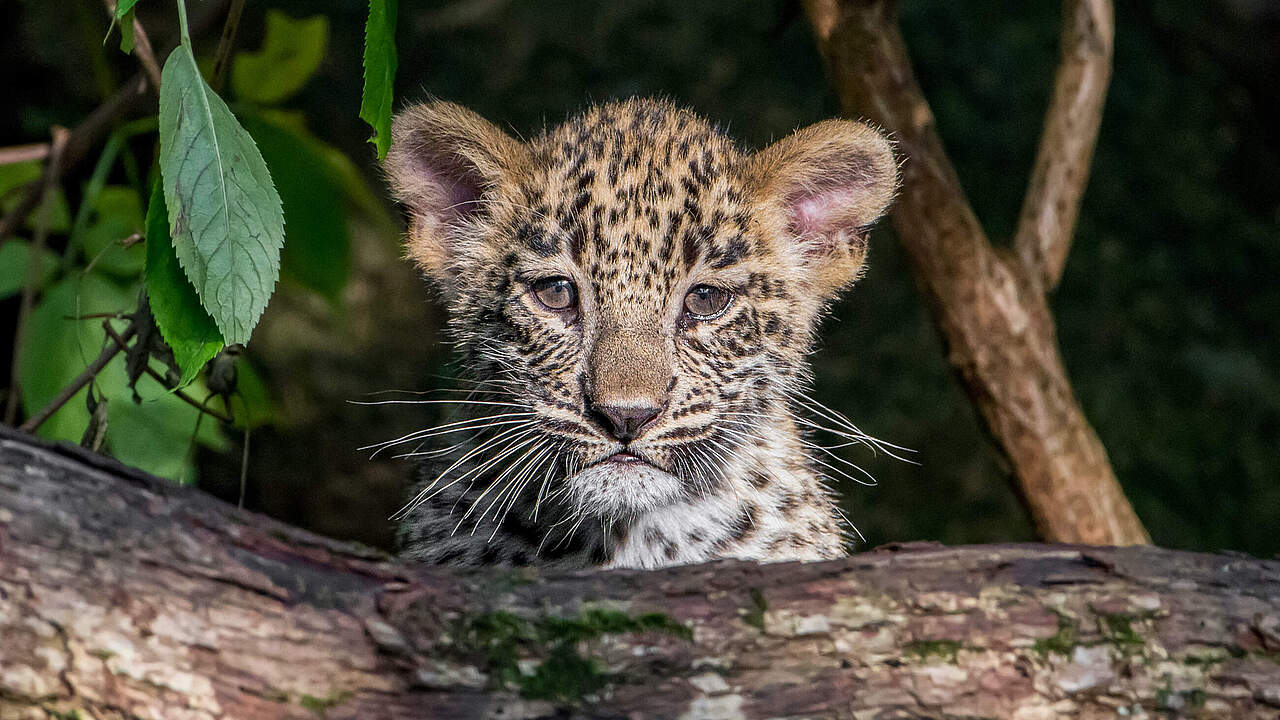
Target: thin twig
(1071, 124)
(122, 343)
(227, 43)
(24, 153)
(109, 351)
(59, 144)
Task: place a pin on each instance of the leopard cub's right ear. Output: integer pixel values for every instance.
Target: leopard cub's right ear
(444, 162)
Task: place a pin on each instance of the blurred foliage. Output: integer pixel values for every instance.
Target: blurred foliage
(1167, 315)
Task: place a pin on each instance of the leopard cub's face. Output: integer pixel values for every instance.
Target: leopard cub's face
(637, 293)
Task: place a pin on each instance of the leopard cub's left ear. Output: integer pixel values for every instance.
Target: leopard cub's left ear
(831, 181)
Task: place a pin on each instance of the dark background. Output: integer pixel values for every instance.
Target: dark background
(1167, 314)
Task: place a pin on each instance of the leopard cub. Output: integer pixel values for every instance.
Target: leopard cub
(633, 297)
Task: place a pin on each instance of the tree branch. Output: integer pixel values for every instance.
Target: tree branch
(993, 316)
(1061, 171)
(122, 595)
(24, 153)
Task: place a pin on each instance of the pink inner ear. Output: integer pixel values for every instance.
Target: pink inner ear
(814, 216)
(457, 180)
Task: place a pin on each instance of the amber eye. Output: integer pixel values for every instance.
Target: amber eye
(556, 293)
(704, 302)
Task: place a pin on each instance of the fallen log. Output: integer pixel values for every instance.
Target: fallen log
(123, 596)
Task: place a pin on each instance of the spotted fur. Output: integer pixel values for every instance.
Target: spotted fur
(636, 202)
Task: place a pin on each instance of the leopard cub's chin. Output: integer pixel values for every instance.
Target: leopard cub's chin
(615, 488)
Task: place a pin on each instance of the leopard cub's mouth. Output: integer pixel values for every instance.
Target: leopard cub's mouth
(625, 457)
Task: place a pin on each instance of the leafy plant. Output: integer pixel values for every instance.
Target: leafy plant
(141, 301)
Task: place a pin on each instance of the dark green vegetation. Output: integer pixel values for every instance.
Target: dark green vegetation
(557, 669)
(1168, 314)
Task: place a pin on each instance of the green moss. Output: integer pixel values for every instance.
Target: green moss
(923, 649)
(1118, 629)
(1206, 660)
(755, 615)
(68, 715)
(1062, 642)
(321, 705)
(102, 654)
(562, 673)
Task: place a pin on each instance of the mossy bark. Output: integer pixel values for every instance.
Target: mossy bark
(122, 596)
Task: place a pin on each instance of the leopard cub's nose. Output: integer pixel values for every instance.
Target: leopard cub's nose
(625, 422)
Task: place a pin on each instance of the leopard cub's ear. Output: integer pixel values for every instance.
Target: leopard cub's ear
(445, 162)
(830, 181)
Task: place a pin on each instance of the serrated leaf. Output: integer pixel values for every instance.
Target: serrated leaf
(317, 251)
(183, 322)
(292, 51)
(379, 72)
(225, 216)
(14, 256)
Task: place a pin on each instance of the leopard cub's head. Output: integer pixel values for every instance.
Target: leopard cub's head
(641, 292)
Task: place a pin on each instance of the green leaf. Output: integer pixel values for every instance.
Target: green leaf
(153, 435)
(183, 322)
(379, 72)
(56, 347)
(123, 7)
(123, 16)
(126, 32)
(317, 254)
(15, 175)
(14, 255)
(116, 215)
(225, 215)
(291, 53)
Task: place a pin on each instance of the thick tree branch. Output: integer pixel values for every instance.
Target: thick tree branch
(1061, 171)
(993, 316)
(124, 596)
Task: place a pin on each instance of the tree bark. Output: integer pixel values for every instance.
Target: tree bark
(989, 303)
(122, 596)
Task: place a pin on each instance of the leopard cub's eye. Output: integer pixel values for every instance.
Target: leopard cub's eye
(556, 293)
(704, 302)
